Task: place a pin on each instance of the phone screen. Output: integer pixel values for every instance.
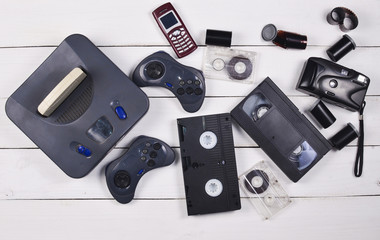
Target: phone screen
(169, 20)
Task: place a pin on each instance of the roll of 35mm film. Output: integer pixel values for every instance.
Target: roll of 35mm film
(344, 17)
(283, 39)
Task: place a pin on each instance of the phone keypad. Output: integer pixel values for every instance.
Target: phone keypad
(181, 40)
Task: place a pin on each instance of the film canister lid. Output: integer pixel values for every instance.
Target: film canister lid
(341, 48)
(269, 32)
(344, 136)
(322, 114)
(218, 38)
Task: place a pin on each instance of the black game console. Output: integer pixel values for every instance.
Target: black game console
(79, 131)
(277, 126)
(334, 83)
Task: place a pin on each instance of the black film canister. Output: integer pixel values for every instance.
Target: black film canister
(291, 40)
(218, 38)
(282, 38)
(322, 114)
(341, 48)
(344, 136)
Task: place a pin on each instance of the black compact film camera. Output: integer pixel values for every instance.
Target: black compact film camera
(333, 83)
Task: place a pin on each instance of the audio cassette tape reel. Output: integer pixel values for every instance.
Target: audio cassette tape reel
(229, 64)
(263, 190)
(209, 164)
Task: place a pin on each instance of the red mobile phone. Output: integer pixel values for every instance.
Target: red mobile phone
(174, 30)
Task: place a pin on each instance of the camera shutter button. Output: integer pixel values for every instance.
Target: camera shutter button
(333, 83)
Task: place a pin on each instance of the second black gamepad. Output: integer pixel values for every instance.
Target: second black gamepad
(186, 83)
(124, 173)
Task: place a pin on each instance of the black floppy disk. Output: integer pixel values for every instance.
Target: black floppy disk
(76, 106)
(209, 164)
(277, 126)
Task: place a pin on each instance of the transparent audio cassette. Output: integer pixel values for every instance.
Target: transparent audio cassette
(263, 190)
(229, 64)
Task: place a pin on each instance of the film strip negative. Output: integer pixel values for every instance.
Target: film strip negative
(263, 190)
(209, 164)
(277, 126)
(344, 17)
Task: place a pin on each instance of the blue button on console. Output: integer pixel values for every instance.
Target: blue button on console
(83, 150)
(120, 112)
(169, 85)
(87, 152)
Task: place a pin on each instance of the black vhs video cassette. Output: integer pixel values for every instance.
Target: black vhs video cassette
(277, 126)
(209, 164)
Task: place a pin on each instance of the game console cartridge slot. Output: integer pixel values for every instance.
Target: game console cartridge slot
(60, 92)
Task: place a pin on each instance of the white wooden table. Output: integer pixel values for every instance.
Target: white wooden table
(38, 201)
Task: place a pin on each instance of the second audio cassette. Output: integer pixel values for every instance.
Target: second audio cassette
(263, 190)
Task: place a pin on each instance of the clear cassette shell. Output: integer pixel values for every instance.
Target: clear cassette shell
(263, 190)
(229, 64)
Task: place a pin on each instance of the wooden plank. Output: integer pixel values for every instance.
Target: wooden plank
(284, 67)
(38, 201)
(29, 174)
(131, 23)
(160, 121)
(315, 219)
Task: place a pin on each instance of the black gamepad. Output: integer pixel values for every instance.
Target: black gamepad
(124, 173)
(186, 83)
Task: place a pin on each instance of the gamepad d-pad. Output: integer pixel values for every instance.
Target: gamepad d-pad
(186, 83)
(124, 173)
